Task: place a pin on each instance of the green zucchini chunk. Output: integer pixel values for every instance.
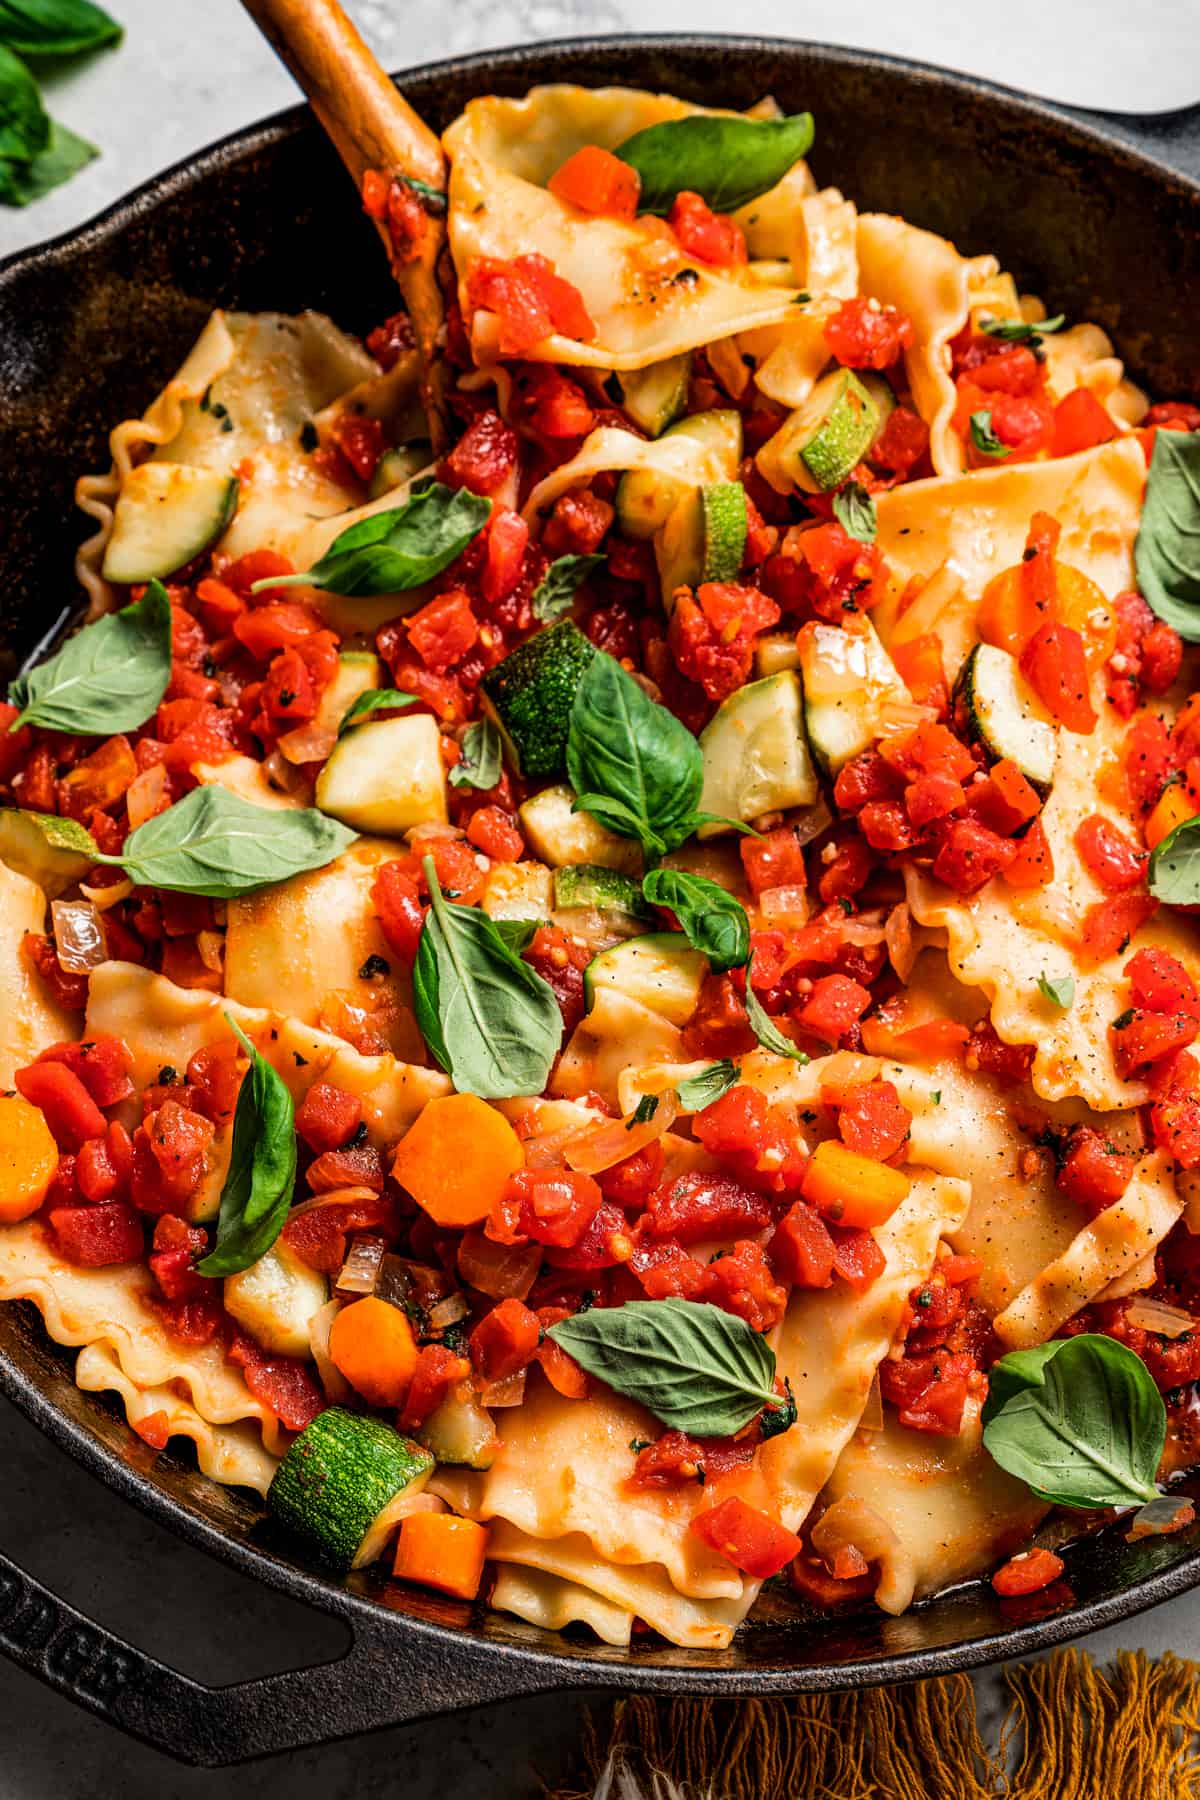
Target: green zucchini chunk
(530, 694)
(166, 514)
(999, 712)
(342, 1472)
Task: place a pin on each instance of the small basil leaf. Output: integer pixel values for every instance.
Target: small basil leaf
(55, 27)
(714, 922)
(557, 589)
(262, 1169)
(854, 510)
(432, 199)
(479, 765)
(696, 1368)
(1173, 874)
(727, 161)
(23, 182)
(24, 122)
(624, 747)
(1078, 1420)
(402, 548)
(1023, 331)
(1167, 552)
(644, 1111)
(1059, 992)
(767, 1031)
(982, 435)
(781, 1417)
(489, 1019)
(108, 677)
(517, 934)
(698, 1091)
(375, 700)
(214, 842)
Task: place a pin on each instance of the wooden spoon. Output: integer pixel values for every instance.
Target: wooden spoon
(372, 126)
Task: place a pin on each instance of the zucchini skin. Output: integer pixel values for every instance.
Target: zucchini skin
(969, 716)
(530, 695)
(337, 1478)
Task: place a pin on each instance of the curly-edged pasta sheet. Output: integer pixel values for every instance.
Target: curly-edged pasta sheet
(616, 1035)
(554, 1603)
(29, 1020)
(825, 249)
(646, 298)
(952, 1511)
(923, 276)
(610, 448)
(790, 356)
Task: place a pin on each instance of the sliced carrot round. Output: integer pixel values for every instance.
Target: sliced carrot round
(456, 1159)
(372, 1344)
(28, 1158)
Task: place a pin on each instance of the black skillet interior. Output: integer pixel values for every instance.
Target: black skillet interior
(89, 329)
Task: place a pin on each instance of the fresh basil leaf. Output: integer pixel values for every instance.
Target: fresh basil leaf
(480, 764)
(108, 677)
(625, 749)
(713, 921)
(55, 27)
(781, 1417)
(1059, 992)
(213, 842)
(695, 1092)
(23, 182)
(557, 589)
(262, 1169)
(432, 199)
(644, 1111)
(1166, 554)
(374, 700)
(854, 510)
(1023, 331)
(489, 1019)
(1173, 873)
(392, 551)
(1078, 1420)
(982, 435)
(24, 121)
(767, 1031)
(727, 161)
(696, 1368)
(517, 934)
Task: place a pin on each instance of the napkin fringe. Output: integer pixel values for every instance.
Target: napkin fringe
(1072, 1731)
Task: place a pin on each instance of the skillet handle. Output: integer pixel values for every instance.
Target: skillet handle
(1171, 138)
(383, 1679)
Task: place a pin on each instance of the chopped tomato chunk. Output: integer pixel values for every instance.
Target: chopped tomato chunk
(864, 335)
(531, 302)
(505, 1340)
(66, 1105)
(1116, 863)
(1027, 1573)
(704, 234)
(872, 1119)
(1054, 664)
(596, 181)
(747, 1538)
(1080, 422)
(95, 1236)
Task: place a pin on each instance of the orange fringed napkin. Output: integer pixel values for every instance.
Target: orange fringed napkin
(1072, 1732)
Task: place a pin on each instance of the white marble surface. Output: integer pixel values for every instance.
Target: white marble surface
(186, 74)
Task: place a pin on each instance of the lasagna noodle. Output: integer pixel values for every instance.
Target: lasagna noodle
(645, 297)
(29, 1021)
(553, 1603)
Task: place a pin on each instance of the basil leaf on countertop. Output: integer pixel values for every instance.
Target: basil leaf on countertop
(767, 1031)
(489, 1019)
(393, 551)
(1023, 331)
(982, 435)
(854, 510)
(1059, 991)
(695, 1092)
(55, 27)
(21, 183)
(727, 161)
(374, 700)
(631, 763)
(556, 590)
(262, 1169)
(480, 764)
(714, 922)
(1173, 873)
(213, 842)
(24, 121)
(696, 1368)
(109, 677)
(1166, 554)
(1078, 1420)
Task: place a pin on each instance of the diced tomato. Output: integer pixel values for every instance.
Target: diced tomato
(66, 1105)
(596, 181)
(65, 989)
(317, 1235)
(1080, 422)
(561, 1370)
(154, 1429)
(484, 456)
(747, 1538)
(494, 831)
(757, 1138)
(549, 1206)
(1116, 863)
(1027, 1573)
(437, 1371)
(1140, 1037)
(443, 630)
(388, 342)
(170, 1157)
(505, 1340)
(864, 335)
(1158, 981)
(577, 524)
(560, 960)
(327, 1116)
(1109, 924)
(872, 1119)
(697, 1205)
(280, 1382)
(987, 1052)
(710, 237)
(1005, 800)
(712, 635)
(102, 1064)
(274, 626)
(530, 300)
(605, 1243)
(932, 797)
(630, 1182)
(360, 440)
(741, 1281)
(397, 902)
(94, 1236)
(361, 1166)
(852, 867)
(1094, 1173)
(1174, 412)
(1148, 758)
(970, 855)
(1054, 664)
(835, 1004)
(865, 778)
(507, 537)
(104, 1165)
(214, 1074)
(776, 859)
(801, 1250)
(857, 1258)
(396, 204)
(902, 443)
(665, 1270)
(929, 1391)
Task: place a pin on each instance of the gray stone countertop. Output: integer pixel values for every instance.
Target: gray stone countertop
(184, 75)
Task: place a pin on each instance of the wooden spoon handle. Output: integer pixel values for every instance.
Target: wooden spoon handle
(372, 126)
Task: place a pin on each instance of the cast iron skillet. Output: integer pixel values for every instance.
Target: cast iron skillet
(1099, 214)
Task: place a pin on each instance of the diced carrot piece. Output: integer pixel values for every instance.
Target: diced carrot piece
(28, 1158)
(372, 1344)
(456, 1159)
(442, 1551)
(1172, 809)
(852, 1189)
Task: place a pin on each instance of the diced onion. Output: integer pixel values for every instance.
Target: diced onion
(78, 936)
(211, 948)
(432, 829)
(600, 1146)
(545, 1149)
(850, 1522)
(337, 1388)
(284, 776)
(784, 906)
(102, 898)
(901, 944)
(499, 1270)
(865, 931)
(448, 1312)
(903, 715)
(810, 824)
(508, 1392)
(148, 793)
(360, 1271)
(872, 1416)
(729, 366)
(310, 742)
(1156, 1316)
